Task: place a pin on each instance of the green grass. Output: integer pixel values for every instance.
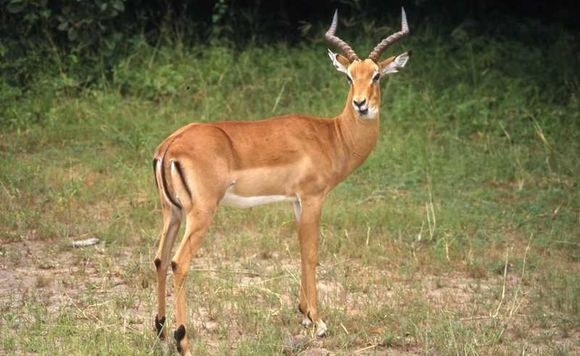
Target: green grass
(478, 157)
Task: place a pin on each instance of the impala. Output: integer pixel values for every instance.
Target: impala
(292, 158)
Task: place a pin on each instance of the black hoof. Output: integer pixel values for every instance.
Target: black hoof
(179, 334)
(159, 323)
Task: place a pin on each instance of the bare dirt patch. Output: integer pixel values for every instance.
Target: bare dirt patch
(121, 279)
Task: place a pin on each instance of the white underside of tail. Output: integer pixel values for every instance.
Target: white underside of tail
(159, 179)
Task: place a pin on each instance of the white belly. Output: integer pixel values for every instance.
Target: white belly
(239, 201)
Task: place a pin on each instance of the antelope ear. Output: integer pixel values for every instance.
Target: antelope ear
(340, 62)
(393, 64)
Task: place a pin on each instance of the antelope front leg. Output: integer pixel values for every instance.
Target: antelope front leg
(308, 225)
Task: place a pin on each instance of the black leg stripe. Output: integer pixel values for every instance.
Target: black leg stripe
(182, 177)
(155, 171)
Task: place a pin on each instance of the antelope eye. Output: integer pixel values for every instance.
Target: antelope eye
(376, 77)
(349, 79)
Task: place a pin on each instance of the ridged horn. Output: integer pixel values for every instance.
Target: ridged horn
(382, 46)
(337, 42)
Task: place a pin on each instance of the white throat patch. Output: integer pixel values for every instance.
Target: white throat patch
(371, 114)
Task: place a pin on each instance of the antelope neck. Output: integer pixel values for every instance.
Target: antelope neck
(357, 136)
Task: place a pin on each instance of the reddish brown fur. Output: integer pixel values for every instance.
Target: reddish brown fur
(293, 156)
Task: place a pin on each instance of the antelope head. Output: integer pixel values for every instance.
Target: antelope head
(364, 75)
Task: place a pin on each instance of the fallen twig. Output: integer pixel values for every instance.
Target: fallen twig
(86, 242)
(365, 349)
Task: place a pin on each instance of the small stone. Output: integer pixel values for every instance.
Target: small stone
(316, 351)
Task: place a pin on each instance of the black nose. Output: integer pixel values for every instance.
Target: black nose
(359, 103)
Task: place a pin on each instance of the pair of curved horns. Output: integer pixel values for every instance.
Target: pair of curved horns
(332, 39)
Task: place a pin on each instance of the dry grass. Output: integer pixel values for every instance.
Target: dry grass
(248, 303)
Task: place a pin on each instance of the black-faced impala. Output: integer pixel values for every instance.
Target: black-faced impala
(292, 158)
